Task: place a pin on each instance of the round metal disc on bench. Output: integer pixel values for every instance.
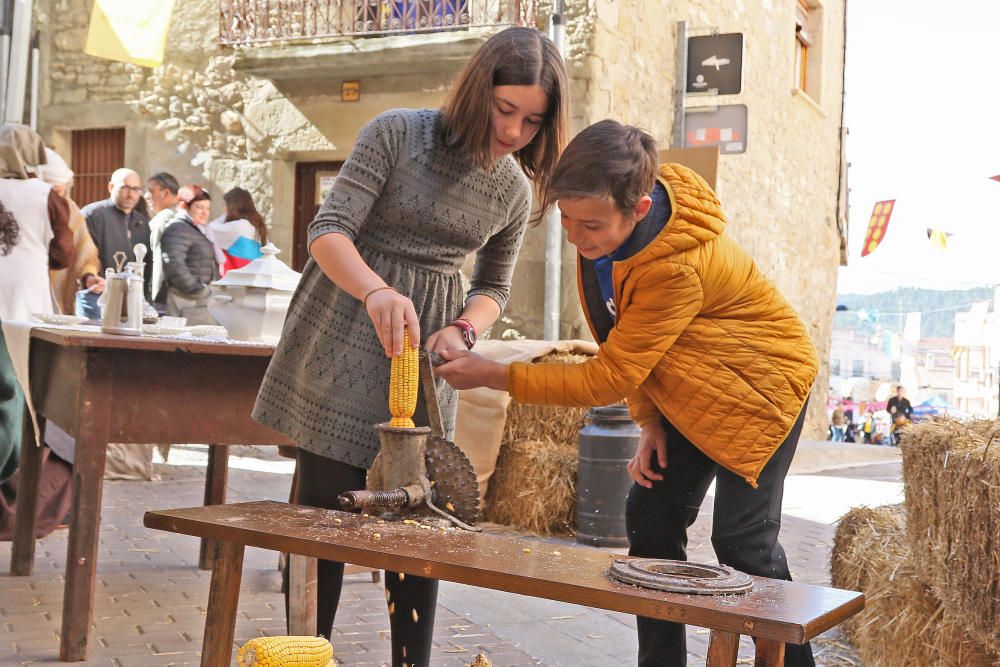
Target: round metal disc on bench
(677, 576)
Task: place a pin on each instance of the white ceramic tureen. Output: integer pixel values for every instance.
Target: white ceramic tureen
(251, 302)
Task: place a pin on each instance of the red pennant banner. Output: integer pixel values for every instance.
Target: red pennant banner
(877, 225)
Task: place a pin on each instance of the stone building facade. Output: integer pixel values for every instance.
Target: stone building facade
(253, 114)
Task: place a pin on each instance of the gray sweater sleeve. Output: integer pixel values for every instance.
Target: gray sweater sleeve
(362, 177)
(494, 266)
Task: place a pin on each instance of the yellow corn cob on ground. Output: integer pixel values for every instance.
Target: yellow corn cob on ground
(286, 652)
(404, 380)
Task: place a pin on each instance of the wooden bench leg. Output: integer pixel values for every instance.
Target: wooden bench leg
(301, 595)
(223, 598)
(723, 649)
(22, 556)
(216, 478)
(769, 653)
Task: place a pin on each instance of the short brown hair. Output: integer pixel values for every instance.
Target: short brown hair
(513, 57)
(607, 160)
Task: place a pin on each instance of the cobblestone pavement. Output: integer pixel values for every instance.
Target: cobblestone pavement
(150, 595)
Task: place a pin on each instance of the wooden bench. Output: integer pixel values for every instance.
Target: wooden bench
(774, 613)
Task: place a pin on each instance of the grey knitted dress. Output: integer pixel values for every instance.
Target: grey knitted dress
(415, 209)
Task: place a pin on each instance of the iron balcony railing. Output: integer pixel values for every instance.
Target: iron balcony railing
(249, 22)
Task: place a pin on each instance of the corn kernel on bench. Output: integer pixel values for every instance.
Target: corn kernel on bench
(773, 613)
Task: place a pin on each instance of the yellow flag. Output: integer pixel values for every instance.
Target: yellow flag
(130, 31)
(938, 238)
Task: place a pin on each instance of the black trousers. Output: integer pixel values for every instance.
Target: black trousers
(745, 529)
(411, 600)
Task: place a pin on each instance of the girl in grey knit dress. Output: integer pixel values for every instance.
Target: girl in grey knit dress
(420, 191)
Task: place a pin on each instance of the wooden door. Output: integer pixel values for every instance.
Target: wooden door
(312, 182)
(96, 155)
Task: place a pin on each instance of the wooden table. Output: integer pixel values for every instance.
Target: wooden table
(774, 612)
(101, 388)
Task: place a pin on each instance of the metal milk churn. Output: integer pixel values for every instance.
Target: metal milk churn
(125, 300)
(607, 443)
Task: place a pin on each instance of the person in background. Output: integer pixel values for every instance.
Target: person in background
(901, 412)
(868, 428)
(34, 237)
(161, 195)
(43, 239)
(837, 424)
(851, 433)
(190, 258)
(899, 405)
(66, 283)
(115, 225)
(240, 232)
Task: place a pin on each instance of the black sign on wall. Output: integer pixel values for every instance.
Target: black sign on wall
(715, 63)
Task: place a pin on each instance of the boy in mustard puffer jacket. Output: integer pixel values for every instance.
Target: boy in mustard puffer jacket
(715, 364)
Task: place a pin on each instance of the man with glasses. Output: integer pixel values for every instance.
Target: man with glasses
(116, 225)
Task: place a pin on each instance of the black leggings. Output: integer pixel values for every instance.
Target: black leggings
(411, 599)
(745, 527)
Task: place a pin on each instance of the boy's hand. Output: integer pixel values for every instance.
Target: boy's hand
(652, 441)
(468, 370)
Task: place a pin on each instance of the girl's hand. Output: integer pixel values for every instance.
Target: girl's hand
(449, 338)
(391, 312)
(468, 370)
(652, 441)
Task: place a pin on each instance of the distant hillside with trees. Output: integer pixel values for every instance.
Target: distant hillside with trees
(938, 308)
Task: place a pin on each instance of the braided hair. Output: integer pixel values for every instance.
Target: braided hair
(10, 232)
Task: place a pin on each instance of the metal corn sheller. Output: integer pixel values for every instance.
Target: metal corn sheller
(418, 471)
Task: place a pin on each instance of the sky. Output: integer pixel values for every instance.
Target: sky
(922, 106)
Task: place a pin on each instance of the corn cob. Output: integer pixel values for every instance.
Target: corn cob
(404, 379)
(286, 652)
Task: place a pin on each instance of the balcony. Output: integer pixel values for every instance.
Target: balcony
(257, 22)
(300, 41)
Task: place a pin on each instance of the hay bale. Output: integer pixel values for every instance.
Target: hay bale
(534, 487)
(951, 471)
(539, 422)
(903, 623)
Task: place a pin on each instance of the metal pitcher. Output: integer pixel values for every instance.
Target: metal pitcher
(123, 310)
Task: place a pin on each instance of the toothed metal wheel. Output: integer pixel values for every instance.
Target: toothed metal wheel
(453, 479)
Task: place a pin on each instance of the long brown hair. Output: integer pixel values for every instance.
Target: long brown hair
(607, 160)
(239, 206)
(513, 57)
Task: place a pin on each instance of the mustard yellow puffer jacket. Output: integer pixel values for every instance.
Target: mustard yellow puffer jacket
(701, 337)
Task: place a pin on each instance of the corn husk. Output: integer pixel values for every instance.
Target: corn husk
(534, 487)
(903, 624)
(951, 471)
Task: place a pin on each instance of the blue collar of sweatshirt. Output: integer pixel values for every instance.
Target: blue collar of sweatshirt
(645, 231)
